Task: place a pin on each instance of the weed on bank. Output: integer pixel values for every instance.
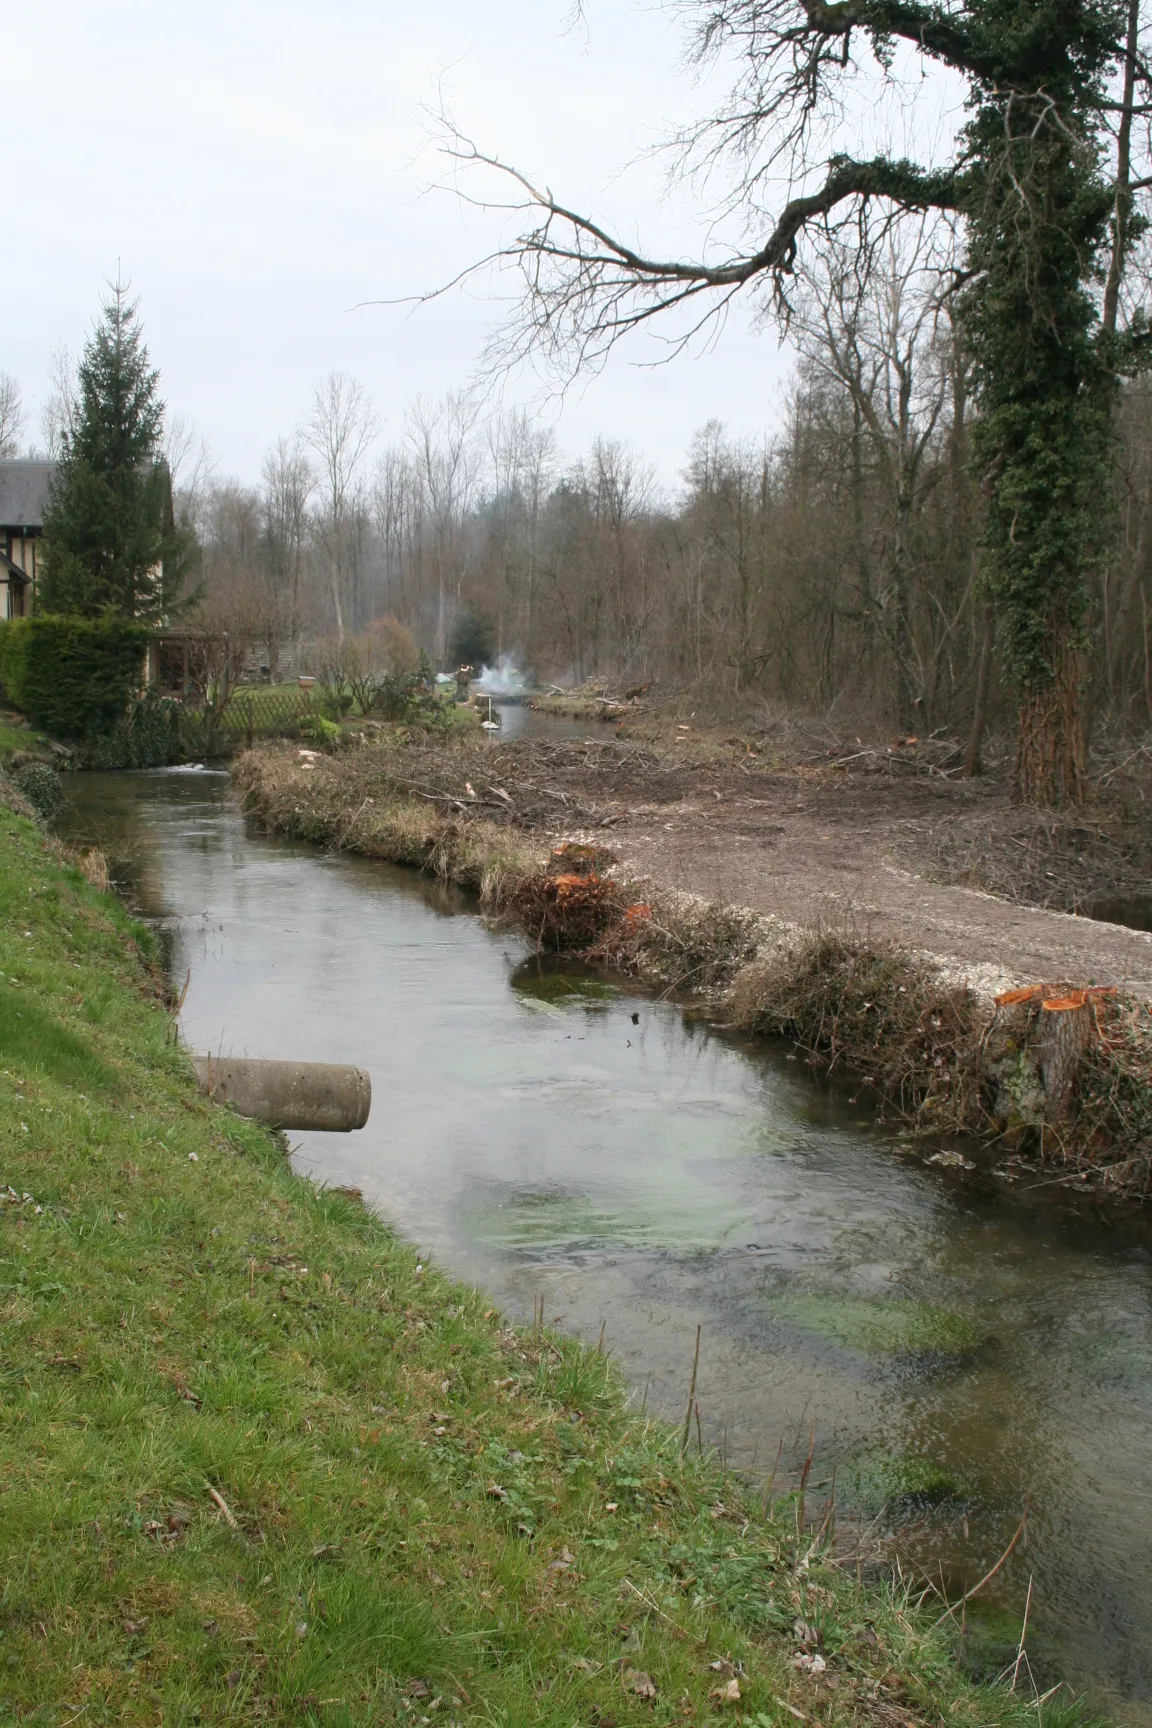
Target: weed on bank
(259, 1464)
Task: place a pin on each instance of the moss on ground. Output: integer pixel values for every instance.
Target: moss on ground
(260, 1465)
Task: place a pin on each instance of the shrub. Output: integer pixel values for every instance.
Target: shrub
(396, 697)
(405, 695)
(394, 646)
(40, 784)
(147, 735)
(73, 676)
(321, 731)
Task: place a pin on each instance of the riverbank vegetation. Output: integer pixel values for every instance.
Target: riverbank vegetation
(1056, 1078)
(262, 1463)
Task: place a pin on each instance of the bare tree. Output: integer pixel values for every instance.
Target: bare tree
(522, 466)
(190, 463)
(445, 454)
(729, 520)
(289, 482)
(881, 333)
(58, 412)
(11, 415)
(340, 429)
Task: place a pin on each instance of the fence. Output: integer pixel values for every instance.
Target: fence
(250, 713)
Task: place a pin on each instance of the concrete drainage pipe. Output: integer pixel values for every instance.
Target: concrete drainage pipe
(319, 1095)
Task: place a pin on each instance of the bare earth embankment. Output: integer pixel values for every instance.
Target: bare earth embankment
(858, 853)
(818, 899)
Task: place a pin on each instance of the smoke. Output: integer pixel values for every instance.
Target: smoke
(503, 679)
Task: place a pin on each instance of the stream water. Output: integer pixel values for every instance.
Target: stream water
(541, 1131)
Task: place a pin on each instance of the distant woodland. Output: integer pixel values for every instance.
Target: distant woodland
(833, 567)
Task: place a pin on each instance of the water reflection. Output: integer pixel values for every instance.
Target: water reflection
(517, 720)
(544, 1132)
(1135, 912)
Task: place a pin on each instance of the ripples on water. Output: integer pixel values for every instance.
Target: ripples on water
(951, 1354)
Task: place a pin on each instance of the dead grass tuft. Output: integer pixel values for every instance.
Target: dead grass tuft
(93, 866)
(877, 1013)
(682, 942)
(1113, 1112)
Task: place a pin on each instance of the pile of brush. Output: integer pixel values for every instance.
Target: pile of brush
(572, 904)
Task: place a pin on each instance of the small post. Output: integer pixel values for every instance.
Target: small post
(691, 1395)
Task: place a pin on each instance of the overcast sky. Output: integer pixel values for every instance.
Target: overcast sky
(260, 170)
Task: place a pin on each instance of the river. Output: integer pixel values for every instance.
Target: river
(544, 1132)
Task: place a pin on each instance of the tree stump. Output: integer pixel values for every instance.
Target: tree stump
(1064, 1032)
(1034, 1049)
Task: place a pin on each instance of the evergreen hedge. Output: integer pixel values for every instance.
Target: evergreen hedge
(75, 677)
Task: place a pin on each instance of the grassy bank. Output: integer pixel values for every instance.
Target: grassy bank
(1059, 1081)
(259, 1464)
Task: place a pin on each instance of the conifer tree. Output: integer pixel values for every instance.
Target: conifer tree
(111, 542)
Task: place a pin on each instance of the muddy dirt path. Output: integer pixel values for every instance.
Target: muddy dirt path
(853, 857)
(880, 848)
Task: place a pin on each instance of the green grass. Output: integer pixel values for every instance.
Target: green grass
(14, 737)
(258, 1465)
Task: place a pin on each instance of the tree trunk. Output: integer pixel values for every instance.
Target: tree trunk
(1122, 210)
(980, 703)
(905, 696)
(863, 573)
(1065, 1032)
(339, 610)
(1050, 764)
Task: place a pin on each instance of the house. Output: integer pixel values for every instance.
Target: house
(24, 484)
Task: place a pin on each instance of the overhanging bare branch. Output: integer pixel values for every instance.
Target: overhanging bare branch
(584, 287)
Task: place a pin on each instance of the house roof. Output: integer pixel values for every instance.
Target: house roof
(24, 484)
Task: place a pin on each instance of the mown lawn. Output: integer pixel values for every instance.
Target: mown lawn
(257, 1464)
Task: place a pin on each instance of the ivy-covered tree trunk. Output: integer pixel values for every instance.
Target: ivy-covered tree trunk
(1037, 222)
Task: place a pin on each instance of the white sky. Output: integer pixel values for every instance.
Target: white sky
(258, 170)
